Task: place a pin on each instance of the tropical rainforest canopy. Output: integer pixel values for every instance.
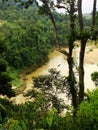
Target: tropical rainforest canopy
(28, 33)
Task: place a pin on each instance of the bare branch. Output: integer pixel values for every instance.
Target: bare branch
(61, 7)
(64, 52)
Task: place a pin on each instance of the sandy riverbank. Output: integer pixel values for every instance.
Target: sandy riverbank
(91, 55)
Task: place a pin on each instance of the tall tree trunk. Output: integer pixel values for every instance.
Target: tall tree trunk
(80, 15)
(94, 13)
(55, 31)
(93, 30)
(82, 53)
(71, 76)
(81, 70)
(53, 23)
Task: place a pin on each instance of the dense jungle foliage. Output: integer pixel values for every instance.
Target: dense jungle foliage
(26, 42)
(34, 116)
(26, 38)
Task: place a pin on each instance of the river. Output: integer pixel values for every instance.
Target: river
(58, 60)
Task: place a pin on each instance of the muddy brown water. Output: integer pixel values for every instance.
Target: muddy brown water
(58, 61)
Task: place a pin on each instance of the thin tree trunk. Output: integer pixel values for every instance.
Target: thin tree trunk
(80, 15)
(81, 70)
(71, 76)
(53, 23)
(71, 79)
(93, 30)
(94, 14)
(55, 31)
(82, 53)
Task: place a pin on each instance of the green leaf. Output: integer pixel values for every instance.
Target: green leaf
(14, 125)
(49, 118)
(23, 125)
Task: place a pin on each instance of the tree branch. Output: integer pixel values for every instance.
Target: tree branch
(64, 52)
(61, 6)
